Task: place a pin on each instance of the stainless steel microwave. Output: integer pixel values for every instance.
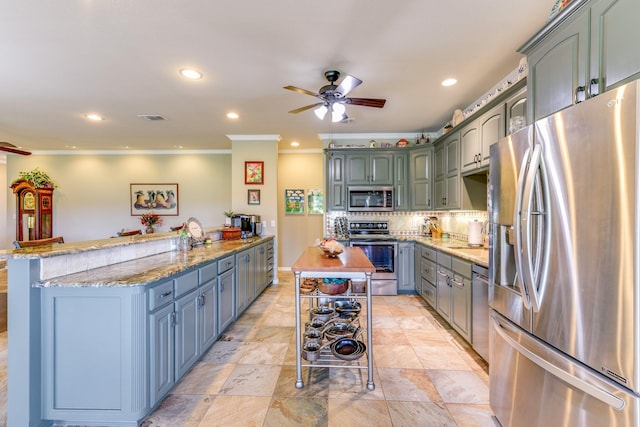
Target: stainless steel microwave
(370, 199)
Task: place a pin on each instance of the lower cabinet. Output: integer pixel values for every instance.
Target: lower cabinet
(443, 276)
(226, 292)
(461, 297)
(161, 337)
(245, 279)
(405, 267)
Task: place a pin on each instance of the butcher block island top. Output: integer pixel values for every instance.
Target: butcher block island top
(351, 260)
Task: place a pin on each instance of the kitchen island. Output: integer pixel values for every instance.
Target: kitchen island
(351, 264)
(101, 331)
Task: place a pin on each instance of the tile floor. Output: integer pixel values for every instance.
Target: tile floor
(425, 374)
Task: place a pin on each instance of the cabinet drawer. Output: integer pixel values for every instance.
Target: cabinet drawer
(444, 260)
(225, 264)
(461, 267)
(429, 292)
(208, 272)
(270, 252)
(186, 282)
(428, 270)
(429, 253)
(160, 295)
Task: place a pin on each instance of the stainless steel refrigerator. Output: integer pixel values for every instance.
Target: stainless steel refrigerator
(564, 277)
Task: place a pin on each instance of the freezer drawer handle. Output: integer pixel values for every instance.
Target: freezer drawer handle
(587, 388)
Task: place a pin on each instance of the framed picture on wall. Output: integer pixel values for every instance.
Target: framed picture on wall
(294, 202)
(253, 197)
(254, 172)
(315, 199)
(162, 199)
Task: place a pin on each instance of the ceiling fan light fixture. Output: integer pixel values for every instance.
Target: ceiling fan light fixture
(337, 112)
(321, 111)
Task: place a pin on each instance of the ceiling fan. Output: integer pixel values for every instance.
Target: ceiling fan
(10, 148)
(334, 97)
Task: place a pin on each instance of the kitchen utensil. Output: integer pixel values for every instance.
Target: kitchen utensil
(322, 312)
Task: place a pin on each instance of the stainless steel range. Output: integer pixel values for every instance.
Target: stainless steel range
(382, 250)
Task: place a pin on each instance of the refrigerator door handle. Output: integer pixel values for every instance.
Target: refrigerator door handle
(531, 184)
(590, 389)
(517, 228)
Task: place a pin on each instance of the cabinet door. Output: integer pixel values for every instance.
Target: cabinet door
(439, 196)
(557, 68)
(226, 305)
(516, 106)
(186, 333)
(439, 162)
(336, 183)
(452, 147)
(207, 316)
(492, 129)
(614, 35)
(452, 192)
(161, 345)
(245, 280)
(261, 268)
(357, 169)
(400, 181)
(381, 169)
(417, 273)
(461, 305)
(470, 147)
(406, 267)
(420, 173)
(444, 293)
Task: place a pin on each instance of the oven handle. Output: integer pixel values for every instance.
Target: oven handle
(362, 242)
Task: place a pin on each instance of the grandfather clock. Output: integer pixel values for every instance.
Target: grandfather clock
(34, 210)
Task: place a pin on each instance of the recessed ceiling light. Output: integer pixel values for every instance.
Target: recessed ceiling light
(295, 144)
(232, 115)
(94, 117)
(191, 74)
(449, 82)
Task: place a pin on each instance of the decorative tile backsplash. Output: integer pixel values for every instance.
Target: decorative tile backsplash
(456, 223)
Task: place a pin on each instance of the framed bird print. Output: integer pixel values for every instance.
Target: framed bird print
(162, 199)
(254, 172)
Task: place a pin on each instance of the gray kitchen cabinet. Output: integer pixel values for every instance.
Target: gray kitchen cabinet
(420, 178)
(443, 285)
(428, 275)
(245, 279)
(446, 189)
(516, 105)
(262, 268)
(270, 261)
(405, 267)
(186, 332)
(336, 182)
(162, 352)
(461, 297)
(401, 181)
(226, 303)
(582, 54)
(207, 315)
(369, 168)
(477, 137)
(417, 276)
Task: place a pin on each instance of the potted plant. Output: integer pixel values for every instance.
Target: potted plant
(227, 221)
(150, 219)
(37, 178)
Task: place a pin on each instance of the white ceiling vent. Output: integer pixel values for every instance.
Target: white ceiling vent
(152, 117)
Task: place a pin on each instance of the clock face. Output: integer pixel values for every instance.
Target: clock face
(28, 201)
(194, 227)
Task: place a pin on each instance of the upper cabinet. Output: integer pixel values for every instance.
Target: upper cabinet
(477, 137)
(336, 182)
(369, 169)
(401, 181)
(446, 189)
(421, 178)
(586, 50)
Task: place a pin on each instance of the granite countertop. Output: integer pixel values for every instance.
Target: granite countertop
(143, 271)
(458, 248)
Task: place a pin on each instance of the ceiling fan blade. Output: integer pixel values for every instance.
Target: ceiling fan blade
(367, 102)
(347, 85)
(297, 89)
(308, 107)
(10, 148)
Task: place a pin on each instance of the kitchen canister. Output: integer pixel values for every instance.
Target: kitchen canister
(475, 233)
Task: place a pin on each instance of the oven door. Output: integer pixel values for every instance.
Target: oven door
(383, 254)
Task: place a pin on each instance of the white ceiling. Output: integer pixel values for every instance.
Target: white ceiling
(120, 58)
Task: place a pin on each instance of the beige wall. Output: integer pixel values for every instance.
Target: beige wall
(298, 171)
(92, 200)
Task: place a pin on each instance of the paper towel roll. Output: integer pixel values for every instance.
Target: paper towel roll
(475, 233)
